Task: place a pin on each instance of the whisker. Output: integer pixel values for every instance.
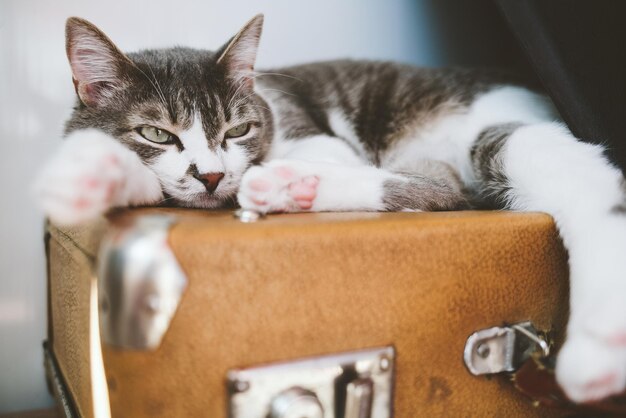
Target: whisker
(157, 89)
(164, 200)
(280, 74)
(157, 85)
(282, 91)
(241, 85)
(239, 101)
(262, 107)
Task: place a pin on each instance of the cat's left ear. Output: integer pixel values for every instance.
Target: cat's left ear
(239, 54)
(99, 69)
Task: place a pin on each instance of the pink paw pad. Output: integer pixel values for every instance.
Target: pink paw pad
(110, 192)
(284, 172)
(260, 185)
(258, 201)
(91, 183)
(606, 380)
(304, 191)
(112, 160)
(82, 203)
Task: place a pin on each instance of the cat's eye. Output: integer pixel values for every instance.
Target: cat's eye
(238, 131)
(159, 136)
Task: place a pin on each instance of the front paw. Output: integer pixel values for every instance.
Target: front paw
(278, 187)
(83, 180)
(589, 369)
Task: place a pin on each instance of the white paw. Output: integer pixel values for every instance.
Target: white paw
(607, 322)
(278, 187)
(592, 363)
(589, 369)
(83, 180)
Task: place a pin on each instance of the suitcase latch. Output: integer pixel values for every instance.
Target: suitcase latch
(140, 284)
(503, 349)
(349, 385)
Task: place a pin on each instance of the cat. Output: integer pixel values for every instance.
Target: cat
(202, 129)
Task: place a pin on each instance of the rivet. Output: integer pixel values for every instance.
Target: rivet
(153, 303)
(241, 386)
(384, 363)
(248, 216)
(483, 350)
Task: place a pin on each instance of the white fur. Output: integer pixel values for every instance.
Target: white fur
(320, 148)
(551, 171)
(90, 174)
(340, 188)
(196, 150)
(450, 138)
(346, 182)
(344, 130)
(172, 165)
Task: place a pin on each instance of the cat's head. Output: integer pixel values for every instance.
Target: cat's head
(191, 115)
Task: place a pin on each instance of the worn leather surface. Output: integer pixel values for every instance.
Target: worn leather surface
(69, 275)
(307, 284)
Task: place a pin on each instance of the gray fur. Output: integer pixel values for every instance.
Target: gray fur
(171, 85)
(487, 163)
(382, 101)
(619, 209)
(435, 186)
(419, 193)
(121, 93)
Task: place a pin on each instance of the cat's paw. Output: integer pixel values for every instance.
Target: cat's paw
(607, 321)
(588, 369)
(278, 187)
(83, 180)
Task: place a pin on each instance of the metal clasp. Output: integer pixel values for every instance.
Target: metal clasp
(503, 349)
(358, 384)
(140, 284)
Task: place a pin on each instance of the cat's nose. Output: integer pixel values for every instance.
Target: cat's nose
(210, 180)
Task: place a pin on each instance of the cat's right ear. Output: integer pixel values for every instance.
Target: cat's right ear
(239, 54)
(98, 66)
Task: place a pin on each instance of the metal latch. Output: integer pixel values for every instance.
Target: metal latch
(349, 385)
(140, 283)
(503, 349)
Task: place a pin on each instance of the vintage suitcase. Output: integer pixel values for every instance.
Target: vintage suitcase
(302, 315)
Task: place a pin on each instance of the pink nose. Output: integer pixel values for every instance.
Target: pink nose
(210, 180)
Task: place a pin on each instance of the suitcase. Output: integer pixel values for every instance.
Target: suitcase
(206, 314)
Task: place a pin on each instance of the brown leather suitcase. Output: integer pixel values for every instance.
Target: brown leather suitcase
(323, 315)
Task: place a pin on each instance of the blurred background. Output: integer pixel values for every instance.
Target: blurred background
(36, 96)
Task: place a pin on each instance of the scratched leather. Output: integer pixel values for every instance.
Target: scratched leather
(299, 285)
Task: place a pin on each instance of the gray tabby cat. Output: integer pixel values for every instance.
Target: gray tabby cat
(203, 129)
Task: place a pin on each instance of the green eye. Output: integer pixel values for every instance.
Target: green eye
(157, 135)
(238, 131)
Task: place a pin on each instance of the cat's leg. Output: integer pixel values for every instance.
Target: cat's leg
(90, 174)
(542, 167)
(309, 179)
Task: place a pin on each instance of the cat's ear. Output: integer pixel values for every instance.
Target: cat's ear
(239, 54)
(99, 69)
